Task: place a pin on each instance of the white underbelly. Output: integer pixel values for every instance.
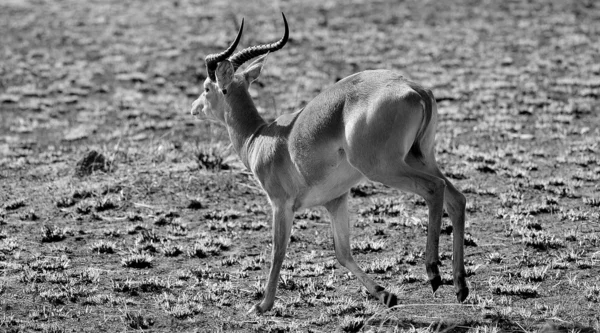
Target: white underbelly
(338, 182)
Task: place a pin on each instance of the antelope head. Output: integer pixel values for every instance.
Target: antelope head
(222, 77)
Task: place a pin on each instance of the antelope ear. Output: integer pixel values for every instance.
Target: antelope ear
(224, 75)
(252, 72)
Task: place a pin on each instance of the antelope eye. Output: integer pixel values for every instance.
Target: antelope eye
(206, 89)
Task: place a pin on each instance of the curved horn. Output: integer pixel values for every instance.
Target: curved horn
(212, 60)
(248, 53)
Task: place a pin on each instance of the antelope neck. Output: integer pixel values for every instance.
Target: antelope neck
(242, 120)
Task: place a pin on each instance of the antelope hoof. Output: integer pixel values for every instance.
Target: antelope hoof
(462, 294)
(433, 272)
(389, 299)
(436, 282)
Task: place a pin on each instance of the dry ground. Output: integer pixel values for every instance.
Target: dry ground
(172, 234)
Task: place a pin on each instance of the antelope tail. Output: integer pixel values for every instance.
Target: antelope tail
(427, 98)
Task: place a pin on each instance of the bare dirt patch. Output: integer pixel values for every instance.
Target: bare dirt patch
(170, 233)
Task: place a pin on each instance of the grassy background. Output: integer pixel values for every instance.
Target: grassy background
(173, 234)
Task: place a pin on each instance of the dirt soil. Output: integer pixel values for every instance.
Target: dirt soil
(121, 212)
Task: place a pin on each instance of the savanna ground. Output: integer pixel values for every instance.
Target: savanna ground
(170, 233)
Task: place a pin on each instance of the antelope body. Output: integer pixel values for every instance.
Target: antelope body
(371, 125)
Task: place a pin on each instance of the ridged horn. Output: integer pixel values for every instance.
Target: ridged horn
(212, 60)
(251, 52)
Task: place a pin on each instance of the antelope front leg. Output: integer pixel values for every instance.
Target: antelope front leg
(282, 227)
(340, 223)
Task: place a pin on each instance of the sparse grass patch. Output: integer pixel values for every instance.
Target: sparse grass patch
(352, 324)
(89, 275)
(306, 270)
(525, 290)
(309, 214)
(101, 299)
(571, 236)
(54, 297)
(209, 247)
(65, 202)
(49, 264)
(511, 199)
(29, 215)
(472, 269)
(222, 215)
(369, 245)
(7, 245)
(128, 286)
(14, 204)
(541, 240)
(557, 181)
(65, 293)
(182, 306)
(166, 219)
(137, 261)
(270, 326)
(156, 284)
(148, 236)
(253, 264)
(592, 293)
(559, 265)
(592, 202)
(254, 225)
(211, 157)
(171, 250)
(570, 255)
(106, 203)
(195, 204)
(362, 190)
(386, 207)
(52, 234)
(574, 215)
(147, 285)
(134, 217)
(281, 309)
(412, 257)
(29, 275)
(103, 246)
(85, 207)
(287, 282)
(345, 305)
(134, 229)
(536, 274)
(230, 261)
(314, 287)
(177, 230)
(409, 277)
(137, 321)
(585, 264)
(469, 240)
(495, 257)
(206, 273)
(380, 266)
(114, 233)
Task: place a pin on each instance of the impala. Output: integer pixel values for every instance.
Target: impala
(373, 125)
